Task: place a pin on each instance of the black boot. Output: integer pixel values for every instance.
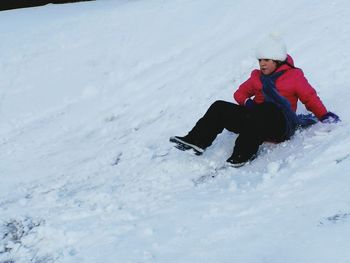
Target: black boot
(238, 160)
(245, 150)
(186, 143)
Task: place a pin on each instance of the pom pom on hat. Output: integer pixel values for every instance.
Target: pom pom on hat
(271, 47)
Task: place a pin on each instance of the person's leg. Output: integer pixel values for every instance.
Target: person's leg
(267, 122)
(245, 149)
(270, 121)
(220, 115)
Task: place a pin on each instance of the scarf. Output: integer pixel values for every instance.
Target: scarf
(293, 121)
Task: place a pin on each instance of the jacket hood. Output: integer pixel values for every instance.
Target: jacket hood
(288, 64)
(290, 60)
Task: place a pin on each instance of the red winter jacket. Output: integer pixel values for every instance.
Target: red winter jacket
(292, 85)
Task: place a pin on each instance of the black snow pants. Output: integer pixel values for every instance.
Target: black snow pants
(265, 122)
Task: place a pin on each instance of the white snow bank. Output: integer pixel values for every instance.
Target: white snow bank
(89, 97)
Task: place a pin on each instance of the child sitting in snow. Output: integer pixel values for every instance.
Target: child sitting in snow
(266, 111)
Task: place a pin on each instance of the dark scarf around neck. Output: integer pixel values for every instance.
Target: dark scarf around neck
(293, 121)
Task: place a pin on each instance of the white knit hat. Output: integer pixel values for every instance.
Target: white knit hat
(271, 47)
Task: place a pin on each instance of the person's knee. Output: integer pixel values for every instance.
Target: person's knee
(219, 105)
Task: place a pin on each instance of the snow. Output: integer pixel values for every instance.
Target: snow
(90, 94)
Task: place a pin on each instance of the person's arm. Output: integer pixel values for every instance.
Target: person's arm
(308, 96)
(244, 92)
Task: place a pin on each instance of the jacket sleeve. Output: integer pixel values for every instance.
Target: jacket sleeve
(245, 91)
(308, 96)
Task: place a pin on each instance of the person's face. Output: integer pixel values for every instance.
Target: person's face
(267, 66)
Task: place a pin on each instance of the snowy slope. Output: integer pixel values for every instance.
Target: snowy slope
(90, 94)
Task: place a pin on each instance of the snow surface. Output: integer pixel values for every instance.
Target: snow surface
(90, 94)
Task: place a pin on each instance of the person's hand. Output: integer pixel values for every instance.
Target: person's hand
(249, 104)
(330, 117)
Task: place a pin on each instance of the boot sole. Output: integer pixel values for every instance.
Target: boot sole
(236, 165)
(184, 146)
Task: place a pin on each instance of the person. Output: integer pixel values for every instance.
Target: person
(266, 109)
